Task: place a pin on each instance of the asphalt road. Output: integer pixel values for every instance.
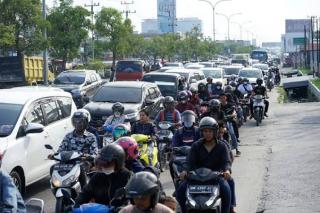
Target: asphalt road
(279, 167)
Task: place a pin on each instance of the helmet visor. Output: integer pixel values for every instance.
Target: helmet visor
(79, 123)
(118, 133)
(188, 120)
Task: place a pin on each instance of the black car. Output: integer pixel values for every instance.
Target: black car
(168, 83)
(134, 95)
(82, 84)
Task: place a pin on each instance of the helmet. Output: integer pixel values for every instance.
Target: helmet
(259, 81)
(233, 77)
(209, 79)
(118, 108)
(144, 184)
(214, 105)
(233, 84)
(188, 118)
(183, 96)
(201, 87)
(168, 102)
(80, 117)
(209, 123)
(240, 80)
(245, 80)
(193, 90)
(120, 130)
(130, 146)
(228, 89)
(86, 112)
(110, 153)
(219, 84)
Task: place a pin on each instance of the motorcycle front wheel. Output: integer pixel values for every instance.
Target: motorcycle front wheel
(60, 205)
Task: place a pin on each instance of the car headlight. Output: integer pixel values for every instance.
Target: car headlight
(132, 115)
(69, 180)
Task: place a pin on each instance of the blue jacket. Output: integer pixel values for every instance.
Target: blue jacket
(185, 137)
(10, 198)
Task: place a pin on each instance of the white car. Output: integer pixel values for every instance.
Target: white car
(216, 74)
(252, 74)
(263, 67)
(30, 118)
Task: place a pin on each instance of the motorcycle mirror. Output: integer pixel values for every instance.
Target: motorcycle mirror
(48, 146)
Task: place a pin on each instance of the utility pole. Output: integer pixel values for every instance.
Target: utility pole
(305, 46)
(92, 5)
(312, 48)
(228, 17)
(127, 11)
(45, 52)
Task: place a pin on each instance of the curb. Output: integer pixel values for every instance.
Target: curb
(314, 90)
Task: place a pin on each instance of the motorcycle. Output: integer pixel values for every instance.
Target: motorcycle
(35, 205)
(107, 137)
(258, 108)
(277, 80)
(147, 149)
(269, 83)
(164, 141)
(202, 194)
(179, 163)
(245, 105)
(65, 176)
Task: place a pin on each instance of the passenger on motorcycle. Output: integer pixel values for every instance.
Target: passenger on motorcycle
(117, 117)
(194, 99)
(209, 152)
(203, 92)
(245, 87)
(214, 111)
(80, 140)
(169, 114)
(10, 197)
(120, 130)
(210, 86)
(233, 99)
(218, 89)
(260, 90)
(130, 147)
(143, 126)
(111, 175)
(143, 189)
(183, 102)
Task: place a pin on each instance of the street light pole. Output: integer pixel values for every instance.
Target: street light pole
(45, 52)
(213, 6)
(228, 17)
(241, 27)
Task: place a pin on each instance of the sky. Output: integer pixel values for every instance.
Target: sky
(265, 18)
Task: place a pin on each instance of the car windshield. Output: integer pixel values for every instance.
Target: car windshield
(70, 78)
(129, 66)
(166, 84)
(212, 73)
(250, 74)
(9, 114)
(118, 94)
(231, 71)
(172, 65)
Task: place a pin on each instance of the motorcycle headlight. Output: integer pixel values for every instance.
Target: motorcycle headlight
(132, 115)
(69, 180)
(212, 198)
(55, 181)
(190, 199)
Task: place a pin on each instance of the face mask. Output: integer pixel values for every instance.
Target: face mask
(188, 124)
(107, 171)
(117, 114)
(245, 83)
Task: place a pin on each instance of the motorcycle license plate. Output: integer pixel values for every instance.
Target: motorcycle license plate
(63, 167)
(200, 189)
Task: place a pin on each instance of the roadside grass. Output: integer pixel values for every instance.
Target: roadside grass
(305, 71)
(283, 97)
(316, 82)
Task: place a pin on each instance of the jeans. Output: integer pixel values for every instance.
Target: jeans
(225, 195)
(234, 140)
(233, 192)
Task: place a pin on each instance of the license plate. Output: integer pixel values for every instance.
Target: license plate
(200, 189)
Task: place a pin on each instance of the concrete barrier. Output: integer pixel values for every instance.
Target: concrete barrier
(314, 90)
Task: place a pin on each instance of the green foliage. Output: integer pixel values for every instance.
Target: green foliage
(6, 35)
(316, 82)
(305, 71)
(95, 65)
(68, 29)
(283, 96)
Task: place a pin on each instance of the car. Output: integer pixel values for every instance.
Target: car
(263, 67)
(156, 66)
(231, 70)
(194, 66)
(134, 95)
(130, 70)
(82, 84)
(216, 73)
(208, 64)
(252, 74)
(168, 83)
(30, 118)
(193, 77)
(173, 64)
(163, 69)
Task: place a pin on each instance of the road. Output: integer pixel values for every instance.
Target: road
(278, 168)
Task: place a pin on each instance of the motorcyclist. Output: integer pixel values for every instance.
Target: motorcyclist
(210, 86)
(260, 90)
(111, 175)
(80, 140)
(277, 77)
(209, 152)
(233, 99)
(169, 114)
(218, 89)
(10, 197)
(232, 80)
(143, 189)
(130, 147)
(203, 92)
(183, 102)
(143, 126)
(117, 117)
(231, 115)
(245, 87)
(194, 99)
(91, 129)
(214, 111)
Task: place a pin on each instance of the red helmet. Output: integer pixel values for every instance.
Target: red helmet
(130, 146)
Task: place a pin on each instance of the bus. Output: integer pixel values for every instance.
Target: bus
(259, 54)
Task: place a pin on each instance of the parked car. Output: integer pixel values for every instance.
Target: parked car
(82, 84)
(134, 95)
(168, 83)
(30, 118)
(192, 77)
(130, 70)
(252, 74)
(217, 74)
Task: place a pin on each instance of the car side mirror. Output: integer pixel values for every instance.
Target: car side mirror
(48, 146)
(34, 128)
(149, 102)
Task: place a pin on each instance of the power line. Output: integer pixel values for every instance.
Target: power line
(92, 5)
(127, 11)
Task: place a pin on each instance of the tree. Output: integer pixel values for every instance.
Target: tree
(68, 29)
(24, 18)
(6, 35)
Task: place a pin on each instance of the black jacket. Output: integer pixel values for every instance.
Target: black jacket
(101, 188)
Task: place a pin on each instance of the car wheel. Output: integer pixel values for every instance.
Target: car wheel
(17, 180)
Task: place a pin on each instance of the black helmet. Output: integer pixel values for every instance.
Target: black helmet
(201, 87)
(183, 96)
(80, 119)
(228, 89)
(209, 123)
(233, 77)
(259, 81)
(109, 153)
(214, 105)
(118, 107)
(219, 84)
(120, 130)
(233, 84)
(240, 80)
(245, 80)
(209, 79)
(144, 184)
(188, 118)
(168, 102)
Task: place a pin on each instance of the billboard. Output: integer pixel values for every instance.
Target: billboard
(166, 15)
(297, 25)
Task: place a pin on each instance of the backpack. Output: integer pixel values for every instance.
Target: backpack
(174, 116)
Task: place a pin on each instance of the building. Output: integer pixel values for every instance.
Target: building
(166, 15)
(150, 26)
(295, 34)
(186, 24)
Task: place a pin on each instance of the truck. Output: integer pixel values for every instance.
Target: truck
(21, 71)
